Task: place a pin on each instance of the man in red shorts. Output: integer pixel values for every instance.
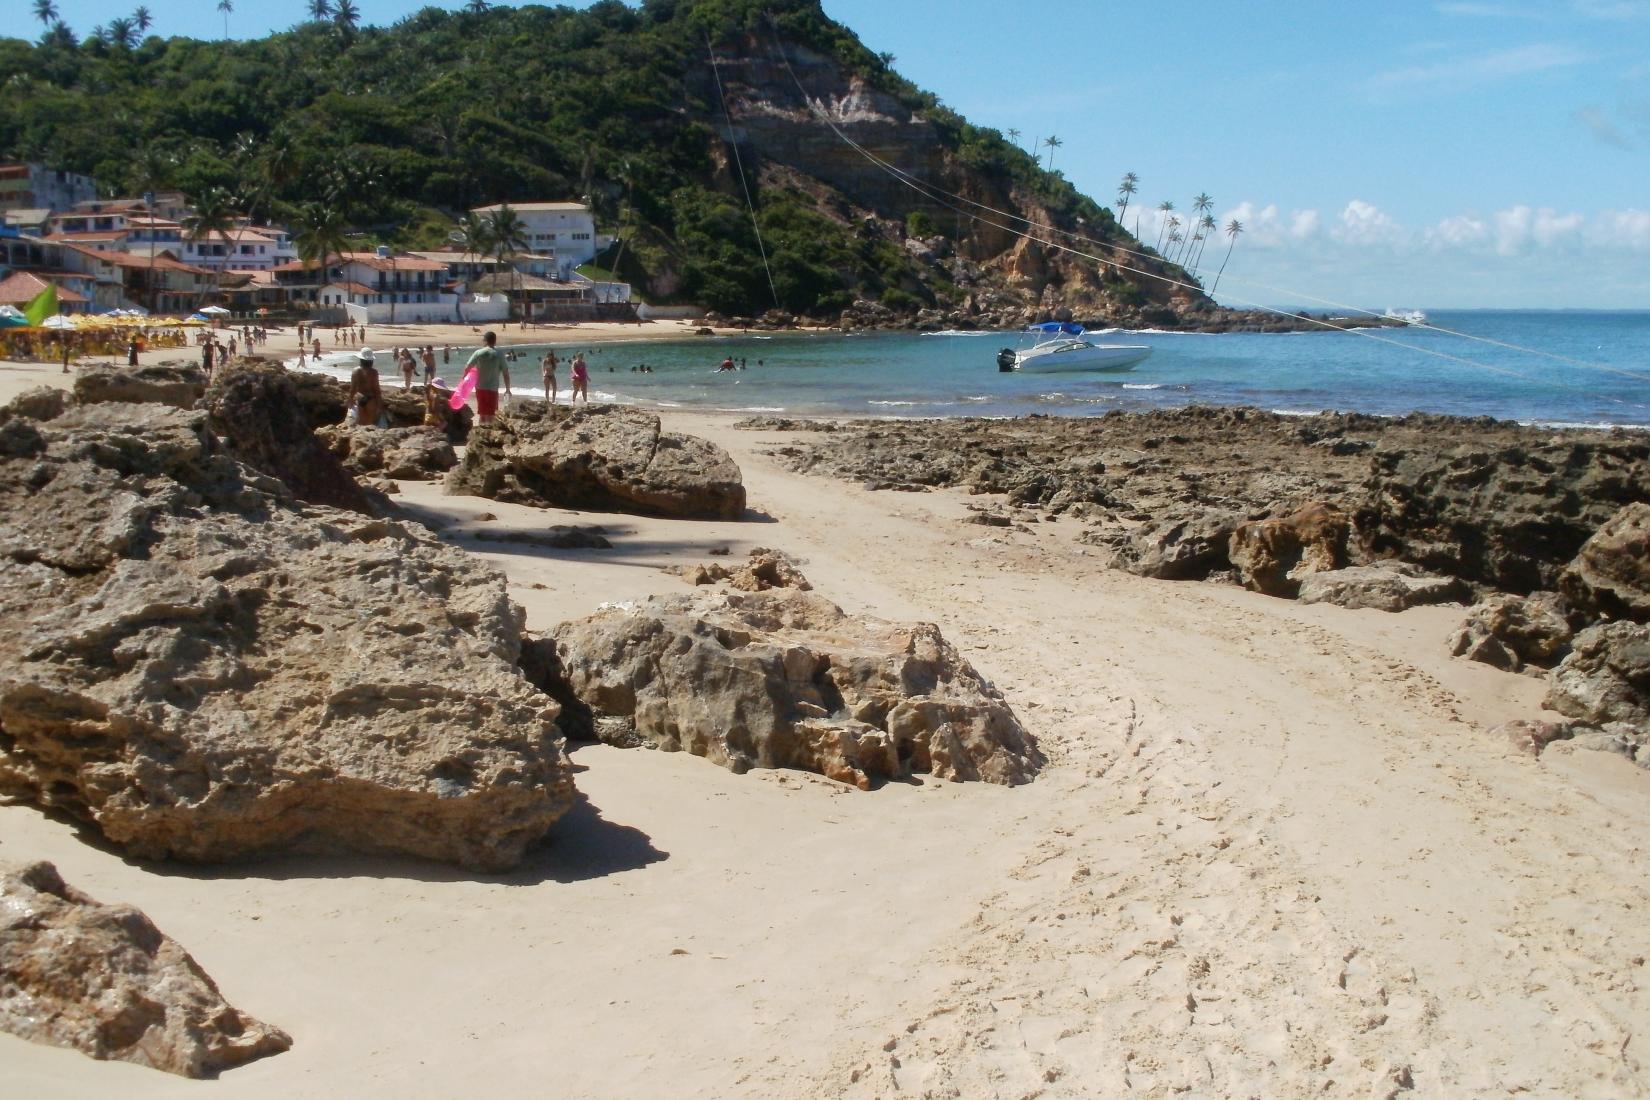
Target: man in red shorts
(490, 368)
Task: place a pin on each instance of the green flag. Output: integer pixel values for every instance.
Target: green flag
(43, 305)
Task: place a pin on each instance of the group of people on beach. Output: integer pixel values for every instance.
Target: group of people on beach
(579, 369)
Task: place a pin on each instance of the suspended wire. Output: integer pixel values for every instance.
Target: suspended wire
(740, 164)
(937, 194)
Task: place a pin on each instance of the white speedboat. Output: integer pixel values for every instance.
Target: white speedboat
(1407, 316)
(1067, 350)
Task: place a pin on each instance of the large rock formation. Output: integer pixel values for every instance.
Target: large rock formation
(1507, 515)
(1606, 678)
(323, 401)
(104, 980)
(176, 384)
(204, 670)
(406, 454)
(255, 410)
(1610, 576)
(600, 457)
(1512, 632)
(1382, 586)
(784, 678)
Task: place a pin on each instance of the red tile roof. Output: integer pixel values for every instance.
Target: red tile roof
(25, 286)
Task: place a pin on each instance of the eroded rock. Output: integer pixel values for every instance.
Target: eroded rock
(784, 678)
(599, 457)
(1188, 548)
(204, 670)
(765, 569)
(1511, 632)
(1272, 555)
(1610, 576)
(103, 980)
(1383, 586)
(172, 384)
(404, 454)
(1605, 681)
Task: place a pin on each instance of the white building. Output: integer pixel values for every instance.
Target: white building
(563, 231)
(34, 186)
(382, 288)
(244, 249)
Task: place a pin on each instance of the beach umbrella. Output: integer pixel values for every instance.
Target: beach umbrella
(57, 322)
(216, 311)
(11, 318)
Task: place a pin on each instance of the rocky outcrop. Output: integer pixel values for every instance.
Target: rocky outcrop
(600, 458)
(1383, 586)
(103, 980)
(764, 570)
(323, 401)
(40, 403)
(1271, 555)
(1610, 576)
(1606, 678)
(204, 670)
(784, 678)
(405, 454)
(165, 384)
(1176, 550)
(1513, 632)
(1509, 515)
(1531, 736)
(254, 409)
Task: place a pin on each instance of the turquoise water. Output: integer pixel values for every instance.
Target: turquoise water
(1601, 378)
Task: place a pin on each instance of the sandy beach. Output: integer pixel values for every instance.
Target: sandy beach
(1274, 852)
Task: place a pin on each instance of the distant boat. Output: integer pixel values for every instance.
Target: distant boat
(1407, 316)
(1066, 350)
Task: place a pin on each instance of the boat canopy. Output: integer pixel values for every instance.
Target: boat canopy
(1066, 327)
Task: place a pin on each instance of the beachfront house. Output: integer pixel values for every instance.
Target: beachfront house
(246, 248)
(22, 287)
(564, 232)
(25, 186)
(383, 287)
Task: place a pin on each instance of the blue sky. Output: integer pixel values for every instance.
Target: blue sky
(1434, 154)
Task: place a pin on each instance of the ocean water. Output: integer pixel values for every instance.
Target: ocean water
(1550, 367)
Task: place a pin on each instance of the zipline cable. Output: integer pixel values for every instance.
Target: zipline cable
(740, 164)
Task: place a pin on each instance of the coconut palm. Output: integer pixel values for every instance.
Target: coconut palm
(1053, 143)
(1013, 135)
(142, 20)
(46, 12)
(226, 6)
(477, 7)
(320, 10)
(214, 216)
(1205, 228)
(1201, 205)
(318, 234)
(1125, 192)
(122, 33)
(345, 15)
(1233, 228)
(1165, 208)
(508, 235)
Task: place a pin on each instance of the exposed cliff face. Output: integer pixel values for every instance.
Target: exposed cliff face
(805, 120)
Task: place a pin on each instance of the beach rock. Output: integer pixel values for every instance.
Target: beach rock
(601, 458)
(254, 408)
(1188, 548)
(323, 400)
(203, 669)
(405, 454)
(1383, 586)
(103, 980)
(1605, 681)
(1530, 736)
(766, 569)
(40, 403)
(1507, 514)
(166, 384)
(1610, 576)
(784, 678)
(1271, 555)
(1511, 632)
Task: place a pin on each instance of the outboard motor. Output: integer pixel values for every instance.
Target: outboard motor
(1005, 360)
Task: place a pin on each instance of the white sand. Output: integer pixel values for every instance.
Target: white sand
(1274, 853)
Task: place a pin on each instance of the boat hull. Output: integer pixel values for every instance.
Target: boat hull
(1115, 357)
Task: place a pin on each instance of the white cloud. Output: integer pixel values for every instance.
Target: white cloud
(1363, 223)
(1461, 231)
(1628, 230)
(1611, 9)
(1471, 71)
(1520, 229)
(1268, 227)
(1303, 224)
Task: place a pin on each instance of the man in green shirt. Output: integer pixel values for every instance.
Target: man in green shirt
(490, 367)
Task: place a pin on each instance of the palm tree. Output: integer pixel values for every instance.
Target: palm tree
(1125, 191)
(345, 15)
(1013, 135)
(1053, 143)
(1233, 228)
(1165, 208)
(319, 10)
(508, 235)
(319, 236)
(122, 33)
(214, 216)
(1201, 205)
(1205, 225)
(46, 12)
(142, 20)
(226, 6)
(477, 7)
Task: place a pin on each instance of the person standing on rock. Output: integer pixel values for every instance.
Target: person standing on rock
(365, 398)
(547, 367)
(490, 369)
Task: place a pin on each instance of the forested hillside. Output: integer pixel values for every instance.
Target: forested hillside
(400, 129)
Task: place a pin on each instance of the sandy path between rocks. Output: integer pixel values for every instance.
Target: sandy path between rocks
(1273, 853)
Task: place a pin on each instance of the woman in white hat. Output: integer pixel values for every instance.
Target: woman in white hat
(365, 398)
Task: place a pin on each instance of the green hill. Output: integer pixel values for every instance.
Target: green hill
(405, 127)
